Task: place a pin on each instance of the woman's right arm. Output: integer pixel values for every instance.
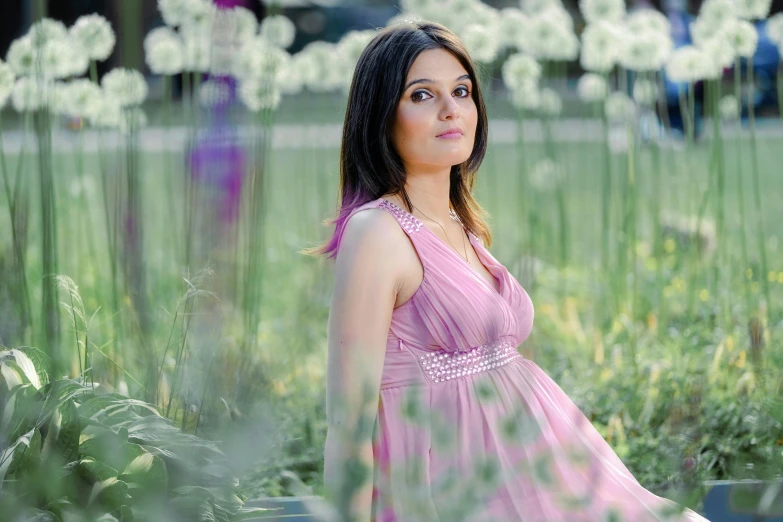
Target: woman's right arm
(365, 288)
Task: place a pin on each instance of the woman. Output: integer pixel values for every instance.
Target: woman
(425, 388)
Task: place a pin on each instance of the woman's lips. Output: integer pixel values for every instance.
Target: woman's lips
(450, 135)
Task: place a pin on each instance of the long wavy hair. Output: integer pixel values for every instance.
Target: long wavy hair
(369, 165)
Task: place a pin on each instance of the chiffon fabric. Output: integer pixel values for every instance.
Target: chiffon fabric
(470, 430)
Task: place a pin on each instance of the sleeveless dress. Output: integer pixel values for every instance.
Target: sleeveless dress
(470, 430)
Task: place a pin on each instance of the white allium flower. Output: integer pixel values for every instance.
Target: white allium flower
(600, 47)
(197, 49)
(213, 93)
(352, 44)
(77, 62)
(648, 20)
(546, 174)
(728, 107)
(95, 35)
(105, 112)
(173, 11)
(47, 30)
(164, 51)
(7, 79)
(257, 95)
(78, 97)
(526, 96)
(403, 18)
(482, 43)
(28, 95)
(743, 37)
(645, 50)
(775, 28)
(552, 36)
(473, 13)
(125, 86)
(278, 30)
(514, 28)
(519, 69)
(321, 67)
(689, 64)
(58, 97)
(619, 107)
(288, 80)
(199, 13)
(61, 59)
(420, 7)
(597, 10)
(22, 56)
(533, 7)
(592, 87)
(716, 12)
(645, 92)
(245, 23)
(721, 52)
(753, 9)
(259, 59)
(549, 102)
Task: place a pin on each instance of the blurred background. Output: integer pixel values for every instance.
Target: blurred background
(163, 163)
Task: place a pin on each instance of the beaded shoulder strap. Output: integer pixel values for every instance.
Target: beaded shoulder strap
(407, 221)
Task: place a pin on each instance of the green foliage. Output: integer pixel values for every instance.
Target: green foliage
(73, 452)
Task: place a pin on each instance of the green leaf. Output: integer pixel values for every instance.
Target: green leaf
(26, 454)
(24, 363)
(63, 432)
(110, 493)
(95, 471)
(40, 360)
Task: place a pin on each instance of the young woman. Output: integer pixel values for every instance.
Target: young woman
(426, 390)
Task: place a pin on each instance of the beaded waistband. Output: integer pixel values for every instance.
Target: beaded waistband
(444, 365)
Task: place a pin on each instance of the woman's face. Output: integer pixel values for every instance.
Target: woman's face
(437, 98)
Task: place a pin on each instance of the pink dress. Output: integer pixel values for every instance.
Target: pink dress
(470, 430)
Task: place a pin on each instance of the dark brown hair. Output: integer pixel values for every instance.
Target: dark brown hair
(369, 165)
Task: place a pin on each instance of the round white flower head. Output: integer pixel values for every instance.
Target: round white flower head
(645, 92)
(353, 43)
(125, 86)
(520, 69)
(482, 43)
(592, 88)
(597, 10)
(28, 95)
(95, 35)
(619, 107)
(22, 56)
(728, 108)
(47, 30)
(173, 11)
(546, 174)
(742, 36)
(689, 64)
(199, 13)
(79, 96)
(197, 46)
(104, 112)
(257, 95)
(722, 55)
(321, 67)
(58, 102)
(288, 79)
(549, 102)
(514, 28)
(419, 7)
(753, 9)
(7, 78)
(648, 20)
(164, 52)
(213, 93)
(601, 43)
(278, 30)
(61, 59)
(716, 12)
(775, 28)
(526, 96)
(77, 62)
(259, 59)
(245, 23)
(552, 36)
(645, 50)
(533, 7)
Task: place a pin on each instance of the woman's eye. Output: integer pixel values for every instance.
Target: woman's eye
(415, 97)
(467, 92)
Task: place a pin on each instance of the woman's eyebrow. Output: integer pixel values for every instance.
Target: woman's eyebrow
(427, 80)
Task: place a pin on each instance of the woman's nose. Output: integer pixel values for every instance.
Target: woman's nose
(450, 108)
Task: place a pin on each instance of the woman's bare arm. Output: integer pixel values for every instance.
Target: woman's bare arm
(365, 289)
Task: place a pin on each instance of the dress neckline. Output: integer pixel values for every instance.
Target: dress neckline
(498, 292)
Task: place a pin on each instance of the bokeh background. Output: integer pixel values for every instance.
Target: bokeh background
(164, 163)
